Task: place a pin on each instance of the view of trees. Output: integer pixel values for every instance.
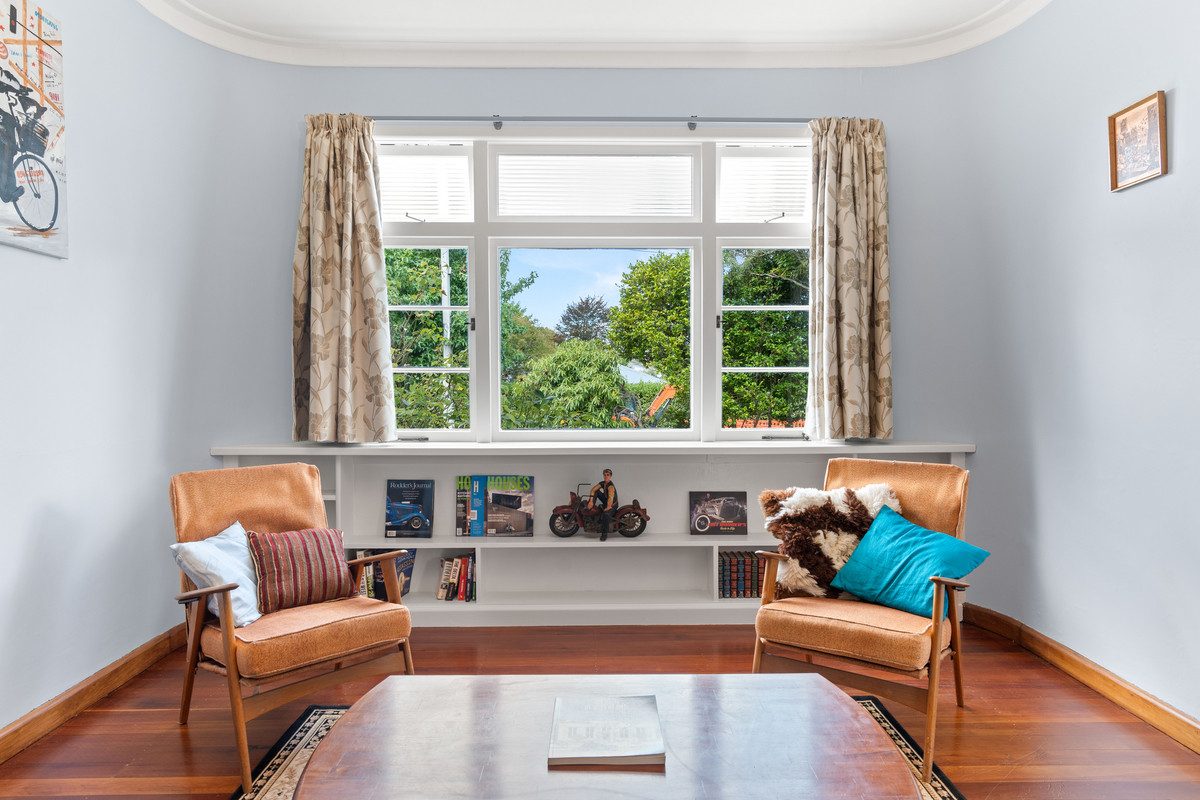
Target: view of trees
(571, 376)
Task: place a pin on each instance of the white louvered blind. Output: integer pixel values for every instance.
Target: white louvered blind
(595, 185)
(432, 184)
(760, 182)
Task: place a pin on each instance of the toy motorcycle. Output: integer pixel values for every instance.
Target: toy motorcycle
(629, 520)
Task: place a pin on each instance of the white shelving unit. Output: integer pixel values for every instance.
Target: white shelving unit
(663, 576)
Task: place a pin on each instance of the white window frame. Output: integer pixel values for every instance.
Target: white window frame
(783, 243)
(466, 434)
(705, 236)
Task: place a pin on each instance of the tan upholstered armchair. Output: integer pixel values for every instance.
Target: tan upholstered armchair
(286, 654)
(798, 634)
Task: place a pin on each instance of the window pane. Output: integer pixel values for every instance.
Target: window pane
(430, 183)
(758, 183)
(429, 338)
(764, 338)
(432, 401)
(594, 185)
(594, 338)
(426, 276)
(755, 277)
(763, 400)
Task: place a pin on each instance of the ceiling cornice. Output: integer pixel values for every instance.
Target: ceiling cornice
(185, 17)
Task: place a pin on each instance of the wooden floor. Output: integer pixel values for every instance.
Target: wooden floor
(1028, 730)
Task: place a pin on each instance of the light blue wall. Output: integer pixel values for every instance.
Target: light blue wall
(169, 328)
(1083, 398)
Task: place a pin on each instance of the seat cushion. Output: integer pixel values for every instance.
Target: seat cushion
(297, 637)
(849, 628)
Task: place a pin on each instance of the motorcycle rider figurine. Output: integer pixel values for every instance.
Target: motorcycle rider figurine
(604, 496)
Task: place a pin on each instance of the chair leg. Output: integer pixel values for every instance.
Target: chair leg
(756, 664)
(931, 703)
(956, 648)
(406, 648)
(235, 692)
(195, 622)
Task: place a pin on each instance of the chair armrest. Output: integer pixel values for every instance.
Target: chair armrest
(950, 584)
(372, 559)
(196, 594)
(391, 577)
(774, 559)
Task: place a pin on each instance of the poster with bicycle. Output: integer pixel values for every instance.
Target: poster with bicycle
(33, 173)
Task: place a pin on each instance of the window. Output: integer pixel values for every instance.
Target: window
(764, 337)
(429, 315)
(597, 284)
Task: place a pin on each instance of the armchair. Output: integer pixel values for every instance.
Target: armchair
(792, 633)
(289, 653)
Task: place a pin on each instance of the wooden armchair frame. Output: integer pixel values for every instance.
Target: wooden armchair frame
(250, 698)
(772, 656)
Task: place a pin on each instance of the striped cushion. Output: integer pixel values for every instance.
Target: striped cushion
(296, 568)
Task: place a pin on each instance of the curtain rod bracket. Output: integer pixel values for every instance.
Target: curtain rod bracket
(497, 123)
(692, 123)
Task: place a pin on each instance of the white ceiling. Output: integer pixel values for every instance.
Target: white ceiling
(587, 33)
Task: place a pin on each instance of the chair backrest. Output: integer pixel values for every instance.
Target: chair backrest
(933, 496)
(270, 499)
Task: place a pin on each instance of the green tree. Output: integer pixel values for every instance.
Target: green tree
(579, 385)
(586, 318)
(521, 339)
(652, 324)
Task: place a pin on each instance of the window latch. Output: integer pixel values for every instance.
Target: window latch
(472, 323)
(718, 320)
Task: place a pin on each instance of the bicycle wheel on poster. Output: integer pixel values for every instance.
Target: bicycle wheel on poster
(38, 204)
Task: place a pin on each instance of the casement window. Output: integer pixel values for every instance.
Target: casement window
(597, 284)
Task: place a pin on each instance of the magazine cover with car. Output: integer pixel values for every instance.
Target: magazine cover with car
(409, 509)
(717, 512)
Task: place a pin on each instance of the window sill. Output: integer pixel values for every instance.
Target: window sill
(660, 448)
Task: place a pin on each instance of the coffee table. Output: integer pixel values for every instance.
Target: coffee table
(727, 736)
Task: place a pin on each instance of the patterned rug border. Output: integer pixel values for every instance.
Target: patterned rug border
(904, 741)
(940, 788)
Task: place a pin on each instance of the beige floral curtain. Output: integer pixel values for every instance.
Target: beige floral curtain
(340, 342)
(850, 385)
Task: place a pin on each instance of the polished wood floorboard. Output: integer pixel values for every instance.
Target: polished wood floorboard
(1029, 732)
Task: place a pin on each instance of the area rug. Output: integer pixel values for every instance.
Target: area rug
(276, 776)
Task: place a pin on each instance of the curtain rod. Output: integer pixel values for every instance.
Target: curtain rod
(692, 122)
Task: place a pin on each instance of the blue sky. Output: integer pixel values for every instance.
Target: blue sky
(564, 276)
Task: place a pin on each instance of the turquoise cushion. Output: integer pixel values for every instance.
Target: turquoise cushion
(894, 561)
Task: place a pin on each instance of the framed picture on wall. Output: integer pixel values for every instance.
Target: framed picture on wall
(1137, 142)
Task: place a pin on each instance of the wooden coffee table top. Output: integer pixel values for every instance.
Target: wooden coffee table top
(486, 736)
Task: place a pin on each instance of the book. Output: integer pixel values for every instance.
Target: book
(444, 582)
(595, 729)
(494, 505)
(464, 569)
(373, 584)
(409, 508)
(452, 582)
(717, 513)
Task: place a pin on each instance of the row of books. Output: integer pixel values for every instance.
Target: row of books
(372, 580)
(740, 574)
(458, 578)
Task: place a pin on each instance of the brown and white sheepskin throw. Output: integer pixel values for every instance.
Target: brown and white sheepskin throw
(818, 531)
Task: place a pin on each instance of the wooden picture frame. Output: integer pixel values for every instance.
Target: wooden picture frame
(1137, 142)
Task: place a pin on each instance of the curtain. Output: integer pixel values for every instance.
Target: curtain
(342, 378)
(850, 383)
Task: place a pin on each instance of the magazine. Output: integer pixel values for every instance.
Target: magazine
(494, 505)
(717, 512)
(409, 511)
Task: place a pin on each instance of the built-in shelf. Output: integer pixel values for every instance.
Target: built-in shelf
(665, 575)
(540, 539)
(481, 449)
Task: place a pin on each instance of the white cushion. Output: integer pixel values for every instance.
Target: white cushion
(220, 559)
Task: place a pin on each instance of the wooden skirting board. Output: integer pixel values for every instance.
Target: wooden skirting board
(1181, 727)
(26, 730)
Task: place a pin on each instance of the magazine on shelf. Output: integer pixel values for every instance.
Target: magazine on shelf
(717, 513)
(599, 730)
(409, 510)
(494, 505)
